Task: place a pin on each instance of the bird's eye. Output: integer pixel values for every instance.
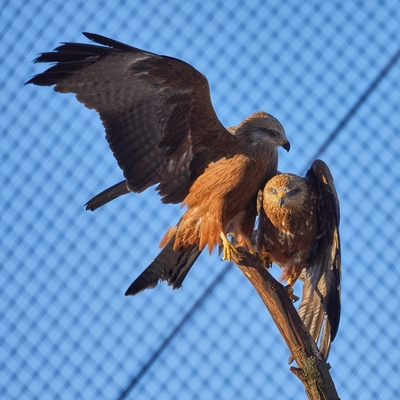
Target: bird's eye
(272, 190)
(293, 192)
(269, 132)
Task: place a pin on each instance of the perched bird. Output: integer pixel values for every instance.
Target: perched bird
(299, 231)
(162, 129)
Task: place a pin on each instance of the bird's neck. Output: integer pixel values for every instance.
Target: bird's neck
(282, 219)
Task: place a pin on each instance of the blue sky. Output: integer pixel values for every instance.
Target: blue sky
(327, 71)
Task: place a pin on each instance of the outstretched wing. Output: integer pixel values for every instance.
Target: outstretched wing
(156, 110)
(320, 306)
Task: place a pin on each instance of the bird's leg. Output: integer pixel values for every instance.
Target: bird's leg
(228, 247)
(249, 245)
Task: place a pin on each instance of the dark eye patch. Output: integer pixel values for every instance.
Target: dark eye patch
(293, 192)
(269, 132)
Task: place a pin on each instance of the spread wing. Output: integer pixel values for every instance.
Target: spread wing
(320, 306)
(156, 111)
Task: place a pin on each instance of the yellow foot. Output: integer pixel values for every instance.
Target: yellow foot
(266, 259)
(292, 296)
(228, 247)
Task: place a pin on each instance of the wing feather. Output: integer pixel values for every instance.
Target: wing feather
(322, 285)
(155, 110)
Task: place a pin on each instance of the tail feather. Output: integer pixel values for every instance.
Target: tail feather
(169, 265)
(107, 195)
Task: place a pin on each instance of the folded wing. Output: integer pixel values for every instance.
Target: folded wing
(321, 304)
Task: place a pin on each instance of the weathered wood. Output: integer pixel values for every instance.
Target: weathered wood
(313, 370)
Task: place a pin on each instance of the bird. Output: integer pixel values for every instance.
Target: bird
(162, 129)
(298, 229)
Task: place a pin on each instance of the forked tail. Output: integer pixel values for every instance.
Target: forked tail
(169, 265)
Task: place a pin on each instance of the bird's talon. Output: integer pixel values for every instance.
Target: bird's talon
(266, 259)
(228, 251)
(228, 248)
(292, 296)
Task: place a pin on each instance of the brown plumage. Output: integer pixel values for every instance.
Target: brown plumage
(227, 186)
(162, 129)
(299, 231)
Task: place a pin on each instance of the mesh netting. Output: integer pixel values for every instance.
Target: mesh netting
(329, 71)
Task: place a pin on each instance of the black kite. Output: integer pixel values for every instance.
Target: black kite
(162, 128)
(299, 231)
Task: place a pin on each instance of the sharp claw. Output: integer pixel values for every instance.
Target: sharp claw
(292, 296)
(229, 248)
(266, 259)
(228, 251)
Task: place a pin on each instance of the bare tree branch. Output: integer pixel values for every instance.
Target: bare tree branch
(313, 370)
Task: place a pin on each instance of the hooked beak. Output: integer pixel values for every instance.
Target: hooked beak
(286, 145)
(281, 198)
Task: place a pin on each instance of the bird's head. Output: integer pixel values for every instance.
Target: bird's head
(262, 128)
(285, 191)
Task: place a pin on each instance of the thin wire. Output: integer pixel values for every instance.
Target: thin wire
(175, 331)
(353, 110)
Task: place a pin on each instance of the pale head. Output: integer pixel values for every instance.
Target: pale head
(285, 191)
(262, 128)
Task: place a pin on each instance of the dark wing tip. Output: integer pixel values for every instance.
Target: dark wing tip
(105, 41)
(70, 57)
